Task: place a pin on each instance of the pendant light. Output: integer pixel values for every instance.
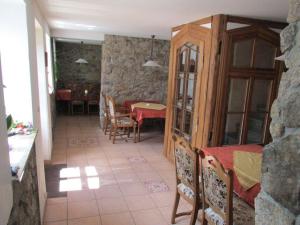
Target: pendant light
(150, 62)
(81, 60)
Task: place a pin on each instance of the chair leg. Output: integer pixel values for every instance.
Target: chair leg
(114, 135)
(128, 132)
(194, 213)
(134, 132)
(105, 125)
(110, 131)
(139, 136)
(176, 203)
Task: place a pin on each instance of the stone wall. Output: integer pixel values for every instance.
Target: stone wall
(69, 71)
(279, 200)
(123, 75)
(25, 209)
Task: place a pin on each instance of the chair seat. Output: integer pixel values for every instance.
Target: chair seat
(124, 121)
(186, 190)
(243, 214)
(214, 217)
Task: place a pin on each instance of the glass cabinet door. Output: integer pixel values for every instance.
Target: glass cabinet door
(186, 78)
(251, 76)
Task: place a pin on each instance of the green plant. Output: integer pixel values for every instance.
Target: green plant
(9, 122)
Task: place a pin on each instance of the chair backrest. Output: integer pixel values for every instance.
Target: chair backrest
(111, 108)
(217, 187)
(186, 163)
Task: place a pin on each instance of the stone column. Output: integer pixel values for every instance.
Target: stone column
(278, 203)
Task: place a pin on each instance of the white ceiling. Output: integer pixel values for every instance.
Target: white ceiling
(143, 18)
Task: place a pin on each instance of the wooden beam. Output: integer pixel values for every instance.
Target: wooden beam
(250, 21)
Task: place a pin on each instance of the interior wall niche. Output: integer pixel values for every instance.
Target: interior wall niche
(67, 71)
(123, 75)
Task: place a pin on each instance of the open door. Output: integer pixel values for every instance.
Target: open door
(187, 85)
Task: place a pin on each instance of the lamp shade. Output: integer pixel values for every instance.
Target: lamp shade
(81, 61)
(151, 63)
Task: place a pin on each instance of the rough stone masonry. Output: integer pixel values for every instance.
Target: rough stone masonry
(278, 203)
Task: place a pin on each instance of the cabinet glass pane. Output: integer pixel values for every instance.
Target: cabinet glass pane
(237, 95)
(264, 55)
(242, 53)
(188, 123)
(255, 127)
(182, 60)
(190, 91)
(193, 59)
(180, 87)
(260, 95)
(178, 118)
(233, 129)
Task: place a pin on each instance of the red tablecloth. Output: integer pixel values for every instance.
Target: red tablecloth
(225, 156)
(141, 113)
(63, 95)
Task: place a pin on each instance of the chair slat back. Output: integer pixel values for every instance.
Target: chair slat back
(186, 163)
(112, 108)
(217, 187)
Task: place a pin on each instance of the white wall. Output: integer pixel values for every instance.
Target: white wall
(44, 98)
(33, 14)
(6, 196)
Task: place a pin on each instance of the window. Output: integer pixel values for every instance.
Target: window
(15, 60)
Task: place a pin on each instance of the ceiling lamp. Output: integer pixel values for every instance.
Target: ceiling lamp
(150, 62)
(81, 60)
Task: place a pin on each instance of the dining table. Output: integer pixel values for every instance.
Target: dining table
(145, 109)
(245, 162)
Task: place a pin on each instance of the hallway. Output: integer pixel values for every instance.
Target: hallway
(106, 184)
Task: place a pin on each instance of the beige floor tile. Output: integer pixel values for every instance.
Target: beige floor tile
(52, 201)
(118, 219)
(168, 174)
(148, 176)
(108, 191)
(163, 199)
(56, 212)
(84, 195)
(86, 221)
(82, 209)
(126, 178)
(63, 222)
(133, 189)
(112, 205)
(122, 168)
(148, 217)
(139, 202)
(58, 158)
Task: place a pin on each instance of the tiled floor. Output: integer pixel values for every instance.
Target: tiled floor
(106, 184)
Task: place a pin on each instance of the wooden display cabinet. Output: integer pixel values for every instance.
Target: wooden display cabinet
(223, 78)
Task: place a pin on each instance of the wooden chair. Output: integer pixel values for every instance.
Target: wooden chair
(77, 99)
(217, 192)
(119, 121)
(187, 178)
(93, 98)
(106, 120)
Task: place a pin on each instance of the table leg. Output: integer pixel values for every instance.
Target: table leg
(139, 137)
